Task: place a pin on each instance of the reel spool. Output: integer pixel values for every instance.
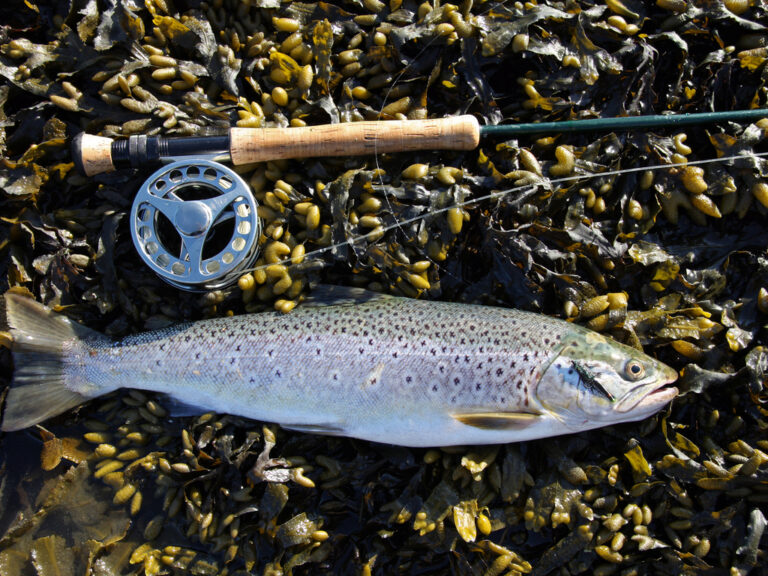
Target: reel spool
(194, 223)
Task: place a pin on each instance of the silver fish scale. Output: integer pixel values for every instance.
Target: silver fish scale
(398, 361)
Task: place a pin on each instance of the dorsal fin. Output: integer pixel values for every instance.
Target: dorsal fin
(328, 295)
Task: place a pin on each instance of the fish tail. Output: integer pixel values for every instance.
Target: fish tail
(39, 389)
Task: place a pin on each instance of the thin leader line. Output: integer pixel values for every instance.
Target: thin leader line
(399, 224)
(500, 194)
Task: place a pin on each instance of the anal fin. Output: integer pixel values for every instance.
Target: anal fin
(498, 420)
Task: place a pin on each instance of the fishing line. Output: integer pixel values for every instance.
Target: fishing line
(195, 223)
(399, 224)
(500, 194)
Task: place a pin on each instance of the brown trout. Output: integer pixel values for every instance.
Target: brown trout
(387, 369)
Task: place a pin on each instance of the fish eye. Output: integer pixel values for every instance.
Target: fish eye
(634, 370)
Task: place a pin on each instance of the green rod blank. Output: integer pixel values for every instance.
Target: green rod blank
(621, 123)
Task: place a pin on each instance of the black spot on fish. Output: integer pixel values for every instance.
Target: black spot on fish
(408, 379)
(525, 357)
(318, 351)
(499, 371)
(456, 381)
(309, 338)
(269, 352)
(157, 363)
(187, 338)
(546, 340)
(237, 349)
(519, 384)
(278, 373)
(434, 387)
(197, 355)
(394, 354)
(361, 350)
(513, 364)
(478, 386)
(252, 380)
(162, 347)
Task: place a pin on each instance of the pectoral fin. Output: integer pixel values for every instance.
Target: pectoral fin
(498, 420)
(324, 429)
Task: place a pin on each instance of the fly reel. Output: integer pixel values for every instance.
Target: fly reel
(194, 223)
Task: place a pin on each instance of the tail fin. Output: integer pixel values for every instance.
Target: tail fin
(39, 390)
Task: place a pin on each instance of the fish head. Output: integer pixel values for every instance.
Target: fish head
(595, 381)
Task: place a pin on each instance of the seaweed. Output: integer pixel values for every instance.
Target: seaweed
(654, 238)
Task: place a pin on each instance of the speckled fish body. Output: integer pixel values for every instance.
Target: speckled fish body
(392, 370)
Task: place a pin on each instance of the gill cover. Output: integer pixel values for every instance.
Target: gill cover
(597, 379)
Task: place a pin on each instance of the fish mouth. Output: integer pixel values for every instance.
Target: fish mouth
(650, 397)
(658, 397)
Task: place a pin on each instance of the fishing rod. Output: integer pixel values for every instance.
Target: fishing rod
(212, 212)
(96, 154)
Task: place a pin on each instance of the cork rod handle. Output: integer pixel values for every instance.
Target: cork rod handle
(353, 139)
